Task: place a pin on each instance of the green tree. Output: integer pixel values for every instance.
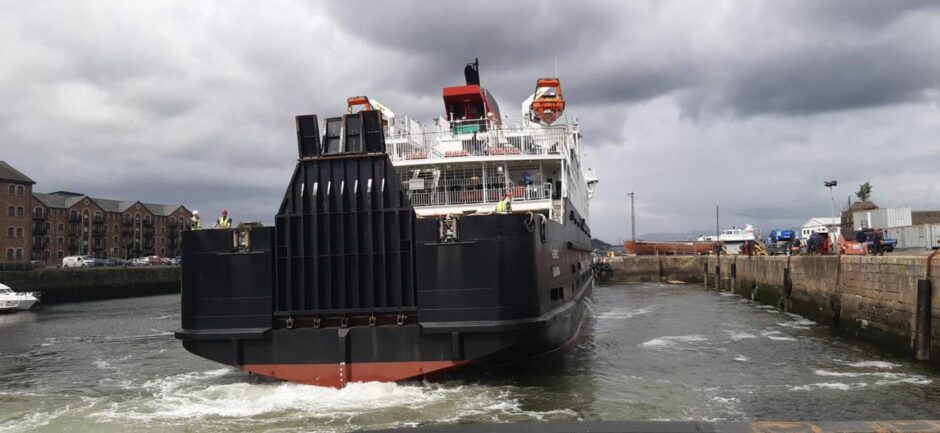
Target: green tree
(864, 192)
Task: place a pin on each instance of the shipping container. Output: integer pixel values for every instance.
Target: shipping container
(934, 232)
(884, 218)
(919, 236)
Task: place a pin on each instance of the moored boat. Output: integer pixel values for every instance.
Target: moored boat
(16, 301)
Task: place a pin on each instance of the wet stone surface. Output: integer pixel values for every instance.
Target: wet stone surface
(651, 352)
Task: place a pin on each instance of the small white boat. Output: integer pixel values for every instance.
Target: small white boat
(13, 301)
(733, 239)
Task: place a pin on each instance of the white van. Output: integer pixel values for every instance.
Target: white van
(78, 262)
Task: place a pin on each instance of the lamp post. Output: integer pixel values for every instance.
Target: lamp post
(632, 220)
(832, 207)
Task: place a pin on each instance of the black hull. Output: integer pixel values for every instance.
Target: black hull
(350, 286)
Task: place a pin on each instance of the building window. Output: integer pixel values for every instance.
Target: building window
(10, 250)
(61, 227)
(9, 232)
(19, 211)
(12, 191)
(38, 211)
(61, 240)
(19, 232)
(19, 253)
(21, 190)
(11, 211)
(59, 254)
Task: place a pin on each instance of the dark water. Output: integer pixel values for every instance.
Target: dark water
(652, 352)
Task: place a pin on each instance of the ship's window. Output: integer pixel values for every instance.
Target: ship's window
(557, 293)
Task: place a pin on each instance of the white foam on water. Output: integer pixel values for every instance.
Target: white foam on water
(775, 335)
(887, 377)
(670, 341)
(741, 358)
(739, 335)
(213, 395)
(915, 380)
(873, 364)
(34, 420)
(798, 322)
(829, 385)
(624, 313)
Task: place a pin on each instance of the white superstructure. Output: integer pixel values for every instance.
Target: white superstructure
(463, 168)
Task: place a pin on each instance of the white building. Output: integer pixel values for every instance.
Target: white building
(882, 218)
(821, 225)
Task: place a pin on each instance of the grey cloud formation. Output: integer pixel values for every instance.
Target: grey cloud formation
(749, 105)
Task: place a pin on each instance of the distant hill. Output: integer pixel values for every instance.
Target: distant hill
(598, 244)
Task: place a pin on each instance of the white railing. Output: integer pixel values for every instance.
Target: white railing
(496, 142)
(479, 196)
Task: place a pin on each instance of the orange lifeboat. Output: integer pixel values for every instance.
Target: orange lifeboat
(548, 103)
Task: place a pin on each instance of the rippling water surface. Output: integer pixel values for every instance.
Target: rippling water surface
(651, 352)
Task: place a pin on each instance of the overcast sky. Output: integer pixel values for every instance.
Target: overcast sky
(749, 105)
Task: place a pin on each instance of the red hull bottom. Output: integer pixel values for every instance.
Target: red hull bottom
(338, 375)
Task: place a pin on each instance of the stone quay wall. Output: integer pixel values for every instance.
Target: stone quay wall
(871, 298)
(89, 284)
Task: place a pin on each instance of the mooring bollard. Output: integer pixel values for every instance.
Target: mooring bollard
(787, 290)
(717, 277)
(922, 339)
(734, 277)
(705, 274)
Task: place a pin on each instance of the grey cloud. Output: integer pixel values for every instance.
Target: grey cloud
(680, 101)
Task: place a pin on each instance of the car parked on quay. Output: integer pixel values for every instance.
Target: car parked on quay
(78, 262)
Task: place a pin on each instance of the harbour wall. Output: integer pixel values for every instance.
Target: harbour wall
(76, 285)
(871, 298)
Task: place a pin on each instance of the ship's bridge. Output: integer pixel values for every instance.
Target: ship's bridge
(450, 168)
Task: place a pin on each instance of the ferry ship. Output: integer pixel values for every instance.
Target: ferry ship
(388, 261)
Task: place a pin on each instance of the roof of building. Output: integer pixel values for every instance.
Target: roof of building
(57, 200)
(65, 199)
(161, 209)
(8, 173)
(113, 205)
(822, 221)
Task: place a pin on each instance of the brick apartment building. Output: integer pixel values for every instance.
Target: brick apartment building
(48, 227)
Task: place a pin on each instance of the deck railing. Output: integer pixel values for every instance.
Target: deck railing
(403, 146)
(479, 196)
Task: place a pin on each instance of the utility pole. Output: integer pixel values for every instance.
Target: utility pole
(717, 230)
(632, 219)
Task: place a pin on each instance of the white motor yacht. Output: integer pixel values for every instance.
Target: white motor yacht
(10, 300)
